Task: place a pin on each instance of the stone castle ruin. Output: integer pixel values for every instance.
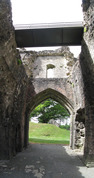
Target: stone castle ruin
(48, 63)
(28, 78)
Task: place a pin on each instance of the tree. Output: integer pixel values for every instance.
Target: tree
(49, 109)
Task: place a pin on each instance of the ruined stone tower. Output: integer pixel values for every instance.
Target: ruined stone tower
(18, 94)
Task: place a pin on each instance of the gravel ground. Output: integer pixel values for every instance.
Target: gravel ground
(45, 161)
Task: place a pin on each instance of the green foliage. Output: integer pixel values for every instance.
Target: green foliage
(48, 133)
(19, 61)
(49, 109)
(67, 127)
(85, 29)
(73, 85)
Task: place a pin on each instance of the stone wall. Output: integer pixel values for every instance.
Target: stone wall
(59, 86)
(36, 63)
(62, 86)
(87, 67)
(79, 105)
(58, 89)
(12, 87)
(80, 129)
(48, 64)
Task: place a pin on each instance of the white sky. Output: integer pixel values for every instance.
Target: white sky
(46, 11)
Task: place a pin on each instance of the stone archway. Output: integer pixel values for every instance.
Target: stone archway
(14, 84)
(57, 96)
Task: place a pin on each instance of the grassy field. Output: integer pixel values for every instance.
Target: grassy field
(48, 133)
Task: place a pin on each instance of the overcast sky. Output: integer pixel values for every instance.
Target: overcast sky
(46, 11)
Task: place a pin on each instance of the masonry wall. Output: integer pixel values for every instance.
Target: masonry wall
(51, 67)
(12, 87)
(48, 64)
(60, 61)
(79, 106)
(58, 86)
(87, 67)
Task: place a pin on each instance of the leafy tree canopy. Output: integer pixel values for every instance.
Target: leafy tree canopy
(49, 109)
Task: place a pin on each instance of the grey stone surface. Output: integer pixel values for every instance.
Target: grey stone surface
(13, 81)
(45, 161)
(87, 68)
(48, 64)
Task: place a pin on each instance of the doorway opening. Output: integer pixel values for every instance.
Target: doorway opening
(49, 122)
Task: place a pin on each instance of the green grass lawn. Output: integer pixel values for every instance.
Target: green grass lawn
(48, 133)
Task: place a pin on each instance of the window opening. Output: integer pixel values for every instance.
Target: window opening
(50, 71)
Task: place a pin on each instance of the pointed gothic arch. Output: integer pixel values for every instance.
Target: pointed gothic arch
(51, 93)
(42, 96)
